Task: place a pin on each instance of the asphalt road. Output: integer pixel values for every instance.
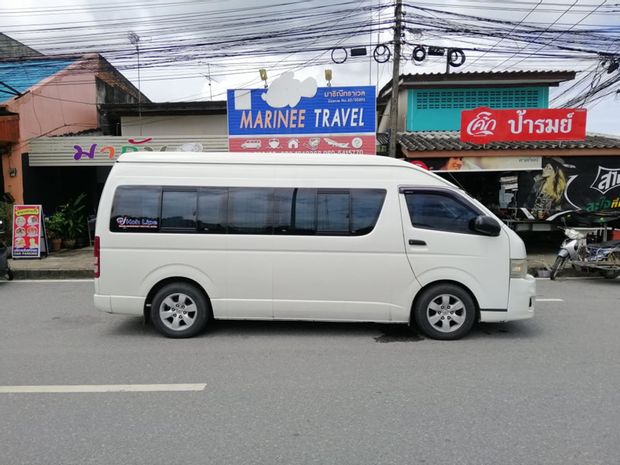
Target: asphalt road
(543, 391)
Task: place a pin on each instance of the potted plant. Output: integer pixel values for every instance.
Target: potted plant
(74, 220)
(54, 226)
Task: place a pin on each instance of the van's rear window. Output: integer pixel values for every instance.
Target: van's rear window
(136, 209)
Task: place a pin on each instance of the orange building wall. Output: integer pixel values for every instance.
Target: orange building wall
(64, 103)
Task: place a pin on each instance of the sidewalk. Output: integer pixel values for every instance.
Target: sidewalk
(79, 264)
(65, 264)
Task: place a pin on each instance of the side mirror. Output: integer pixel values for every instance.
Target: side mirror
(485, 226)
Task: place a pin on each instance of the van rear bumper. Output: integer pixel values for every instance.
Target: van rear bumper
(102, 303)
(119, 304)
(521, 301)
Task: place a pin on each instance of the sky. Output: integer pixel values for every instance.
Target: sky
(185, 45)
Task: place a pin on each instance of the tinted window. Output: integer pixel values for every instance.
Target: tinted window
(135, 209)
(304, 215)
(283, 211)
(178, 210)
(333, 212)
(237, 210)
(365, 206)
(212, 210)
(439, 211)
(249, 210)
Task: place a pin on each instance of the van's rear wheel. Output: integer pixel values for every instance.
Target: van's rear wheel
(179, 310)
(445, 312)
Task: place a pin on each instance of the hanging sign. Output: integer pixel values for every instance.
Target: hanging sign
(483, 125)
(298, 116)
(27, 231)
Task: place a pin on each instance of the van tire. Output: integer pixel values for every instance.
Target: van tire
(179, 310)
(445, 312)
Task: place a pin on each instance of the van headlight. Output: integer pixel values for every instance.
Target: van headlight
(518, 267)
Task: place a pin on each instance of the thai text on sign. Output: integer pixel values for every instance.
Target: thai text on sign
(26, 231)
(483, 125)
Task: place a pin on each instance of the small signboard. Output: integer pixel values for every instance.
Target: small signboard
(27, 231)
(296, 116)
(483, 125)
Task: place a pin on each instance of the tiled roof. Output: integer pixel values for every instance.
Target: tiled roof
(465, 78)
(21, 75)
(449, 140)
(517, 73)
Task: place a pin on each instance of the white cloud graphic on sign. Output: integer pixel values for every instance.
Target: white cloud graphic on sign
(288, 91)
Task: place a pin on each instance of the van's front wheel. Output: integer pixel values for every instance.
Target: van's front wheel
(179, 310)
(445, 312)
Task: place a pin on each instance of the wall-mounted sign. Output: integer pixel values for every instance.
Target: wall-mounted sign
(105, 150)
(484, 125)
(479, 163)
(298, 116)
(27, 231)
(586, 183)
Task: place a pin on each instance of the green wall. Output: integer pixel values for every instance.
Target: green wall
(440, 109)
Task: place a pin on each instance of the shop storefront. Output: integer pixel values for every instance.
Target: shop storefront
(526, 183)
(58, 168)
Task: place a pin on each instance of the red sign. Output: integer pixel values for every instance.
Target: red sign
(483, 125)
(354, 144)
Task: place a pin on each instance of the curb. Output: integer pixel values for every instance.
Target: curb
(53, 274)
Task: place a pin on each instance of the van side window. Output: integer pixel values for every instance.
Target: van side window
(135, 209)
(283, 210)
(436, 210)
(246, 210)
(178, 210)
(249, 210)
(365, 208)
(333, 212)
(304, 214)
(212, 210)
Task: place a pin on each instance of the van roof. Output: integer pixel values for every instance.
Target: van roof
(261, 159)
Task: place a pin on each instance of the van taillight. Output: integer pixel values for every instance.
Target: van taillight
(97, 257)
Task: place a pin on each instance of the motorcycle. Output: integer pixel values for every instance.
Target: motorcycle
(603, 257)
(5, 270)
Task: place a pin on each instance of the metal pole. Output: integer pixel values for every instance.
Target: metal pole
(139, 91)
(395, 80)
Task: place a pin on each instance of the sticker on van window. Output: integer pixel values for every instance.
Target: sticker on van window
(126, 222)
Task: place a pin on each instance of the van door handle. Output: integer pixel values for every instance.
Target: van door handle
(416, 242)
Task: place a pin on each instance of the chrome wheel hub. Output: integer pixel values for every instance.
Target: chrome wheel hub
(178, 311)
(446, 313)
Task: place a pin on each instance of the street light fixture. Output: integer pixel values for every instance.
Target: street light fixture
(263, 75)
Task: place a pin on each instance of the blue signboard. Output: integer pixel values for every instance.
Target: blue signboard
(297, 116)
(332, 110)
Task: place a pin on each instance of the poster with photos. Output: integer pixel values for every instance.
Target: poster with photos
(27, 231)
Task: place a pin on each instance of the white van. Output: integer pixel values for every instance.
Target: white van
(185, 238)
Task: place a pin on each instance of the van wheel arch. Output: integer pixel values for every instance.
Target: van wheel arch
(435, 283)
(164, 282)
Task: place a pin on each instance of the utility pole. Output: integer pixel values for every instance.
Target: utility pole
(135, 40)
(395, 78)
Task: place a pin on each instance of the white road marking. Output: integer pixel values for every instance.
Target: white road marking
(71, 389)
(18, 281)
(549, 300)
